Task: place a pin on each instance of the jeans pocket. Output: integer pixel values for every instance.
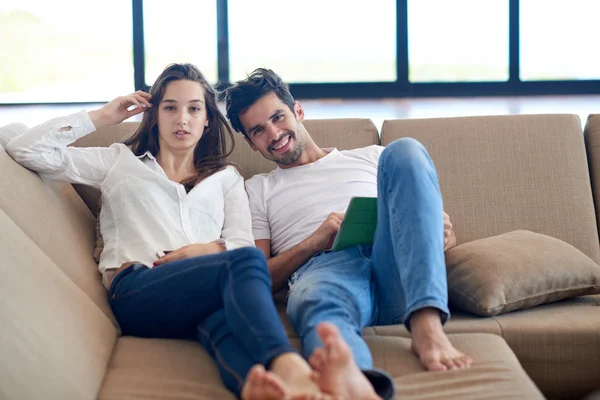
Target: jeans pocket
(120, 279)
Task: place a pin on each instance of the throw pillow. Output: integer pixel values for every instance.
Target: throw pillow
(517, 270)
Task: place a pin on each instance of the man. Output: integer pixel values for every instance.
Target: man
(297, 210)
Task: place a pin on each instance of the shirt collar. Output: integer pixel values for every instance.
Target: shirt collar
(147, 154)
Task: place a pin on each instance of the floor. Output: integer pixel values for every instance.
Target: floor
(376, 110)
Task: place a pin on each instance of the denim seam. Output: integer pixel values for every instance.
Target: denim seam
(126, 295)
(271, 354)
(221, 360)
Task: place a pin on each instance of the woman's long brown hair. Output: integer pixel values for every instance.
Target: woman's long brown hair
(211, 150)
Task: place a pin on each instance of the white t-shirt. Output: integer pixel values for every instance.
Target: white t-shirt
(288, 205)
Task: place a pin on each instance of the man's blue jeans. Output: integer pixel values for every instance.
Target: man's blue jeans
(383, 284)
(223, 300)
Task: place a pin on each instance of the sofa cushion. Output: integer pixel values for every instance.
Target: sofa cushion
(57, 221)
(9, 131)
(161, 369)
(494, 374)
(55, 342)
(503, 173)
(177, 369)
(517, 270)
(558, 345)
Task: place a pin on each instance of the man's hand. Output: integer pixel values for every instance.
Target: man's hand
(449, 236)
(323, 238)
(189, 251)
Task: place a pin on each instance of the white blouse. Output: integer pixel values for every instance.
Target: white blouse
(143, 211)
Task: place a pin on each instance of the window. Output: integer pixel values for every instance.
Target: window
(314, 40)
(559, 42)
(51, 55)
(458, 40)
(180, 31)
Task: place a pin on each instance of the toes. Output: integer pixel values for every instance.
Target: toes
(274, 383)
(317, 359)
(249, 391)
(315, 377)
(261, 384)
(461, 362)
(331, 347)
(435, 366)
(256, 370)
(458, 363)
(466, 360)
(255, 374)
(311, 396)
(326, 330)
(451, 363)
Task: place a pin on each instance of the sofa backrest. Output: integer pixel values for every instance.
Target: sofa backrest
(502, 173)
(55, 342)
(55, 218)
(341, 133)
(592, 145)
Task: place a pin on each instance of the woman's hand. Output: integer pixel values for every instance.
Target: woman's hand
(189, 251)
(449, 236)
(117, 110)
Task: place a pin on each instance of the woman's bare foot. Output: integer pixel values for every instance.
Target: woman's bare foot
(431, 345)
(263, 385)
(335, 369)
(295, 373)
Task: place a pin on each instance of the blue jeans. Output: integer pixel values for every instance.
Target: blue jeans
(384, 283)
(222, 300)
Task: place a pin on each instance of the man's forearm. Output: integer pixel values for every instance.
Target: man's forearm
(285, 264)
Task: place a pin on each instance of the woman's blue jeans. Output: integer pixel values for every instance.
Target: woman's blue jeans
(223, 300)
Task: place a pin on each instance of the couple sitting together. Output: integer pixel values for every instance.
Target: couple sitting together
(231, 243)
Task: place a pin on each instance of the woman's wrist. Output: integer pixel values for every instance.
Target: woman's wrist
(96, 117)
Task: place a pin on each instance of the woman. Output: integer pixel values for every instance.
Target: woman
(168, 189)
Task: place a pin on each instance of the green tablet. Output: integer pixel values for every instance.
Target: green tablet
(359, 223)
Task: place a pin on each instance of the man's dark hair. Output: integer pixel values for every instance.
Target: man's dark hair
(243, 94)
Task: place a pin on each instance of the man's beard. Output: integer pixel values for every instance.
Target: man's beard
(291, 156)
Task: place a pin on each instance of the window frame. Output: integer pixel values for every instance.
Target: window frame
(401, 88)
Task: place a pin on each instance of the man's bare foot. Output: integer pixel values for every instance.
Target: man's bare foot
(263, 385)
(431, 345)
(335, 370)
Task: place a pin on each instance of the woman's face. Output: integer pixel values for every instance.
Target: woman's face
(182, 115)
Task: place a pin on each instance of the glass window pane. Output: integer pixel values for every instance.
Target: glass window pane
(65, 51)
(559, 42)
(314, 40)
(182, 31)
(458, 40)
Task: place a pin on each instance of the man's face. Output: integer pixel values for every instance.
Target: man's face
(274, 130)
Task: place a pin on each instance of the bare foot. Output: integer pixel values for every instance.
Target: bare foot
(263, 385)
(335, 370)
(295, 373)
(431, 345)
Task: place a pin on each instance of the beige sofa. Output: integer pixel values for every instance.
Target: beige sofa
(59, 340)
